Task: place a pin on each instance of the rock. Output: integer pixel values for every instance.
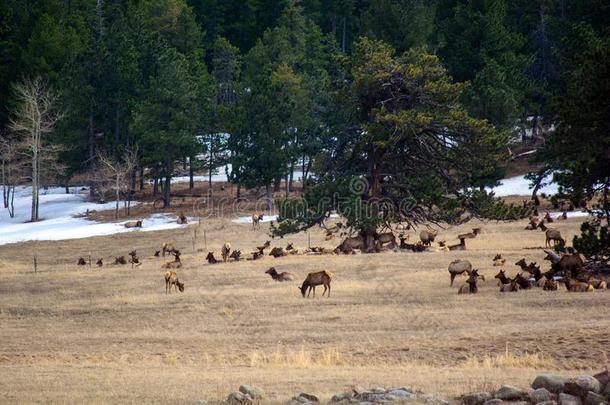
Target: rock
(340, 397)
(510, 393)
(581, 385)
(401, 393)
(378, 390)
(201, 402)
(606, 391)
(477, 398)
(431, 399)
(308, 397)
(548, 403)
(540, 395)
(239, 398)
(253, 392)
(603, 378)
(593, 398)
(493, 402)
(358, 389)
(369, 396)
(553, 383)
(567, 399)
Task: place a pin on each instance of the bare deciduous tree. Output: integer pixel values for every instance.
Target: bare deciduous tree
(115, 175)
(11, 171)
(35, 117)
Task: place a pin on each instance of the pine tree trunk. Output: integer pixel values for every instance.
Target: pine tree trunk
(238, 190)
(269, 198)
(167, 186)
(141, 178)
(191, 174)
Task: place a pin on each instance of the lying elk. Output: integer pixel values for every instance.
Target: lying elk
(133, 224)
(548, 218)
(387, 237)
(523, 282)
(120, 260)
(511, 286)
(182, 220)
(171, 280)
(81, 262)
(100, 263)
(277, 252)
(265, 246)
(459, 246)
(350, 243)
(427, 237)
(210, 258)
(225, 251)
(551, 235)
(283, 276)
(176, 264)
(577, 286)
(530, 268)
(549, 285)
(498, 261)
(323, 277)
(167, 248)
(256, 219)
(235, 255)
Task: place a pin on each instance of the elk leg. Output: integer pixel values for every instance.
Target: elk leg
(314, 291)
(324, 292)
(328, 296)
(452, 278)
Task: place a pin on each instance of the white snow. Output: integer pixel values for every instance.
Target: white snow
(520, 186)
(220, 175)
(57, 211)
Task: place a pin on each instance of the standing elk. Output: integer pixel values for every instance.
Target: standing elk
(323, 277)
(171, 280)
(225, 251)
(551, 235)
(427, 237)
(459, 267)
(256, 219)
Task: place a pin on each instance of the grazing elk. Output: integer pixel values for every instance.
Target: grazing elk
(471, 285)
(256, 219)
(81, 262)
(323, 277)
(551, 235)
(171, 280)
(427, 237)
(225, 251)
(133, 224)
(100, 263)
(459, 246)
(577, 286)
(459, 267)
(283, 276)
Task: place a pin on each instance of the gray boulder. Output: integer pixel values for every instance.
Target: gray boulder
(239, 398)
(477, 398)
(540, 395)
(253, 392)
(593, 398)
(308, 397)
(400, 393)
(581, 385)
(567, 399)
(510, 393)
(341, 397)
(553, 383)
(493, 402)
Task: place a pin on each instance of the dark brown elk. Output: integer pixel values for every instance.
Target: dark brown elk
(100, 263)
(523, 282)
(235, 255)
(567, 265)
(459, 246)
(564, 215)
(511, 286)
(133, 224)
(459, 267)
(577, 286)
(503, 278)
(549, 285)
(323, 277)
(182, 220)
(551, 235)
(120, 260)
(256, 219)
(225, 251)
(210, 258)
(530, 268)
(548, 218)
(171, 280)
(290, 246)
(283, 276)
(471, 285)
(81, 261)
(427, 237)
(277, 252)
(265, 246)
(134, 261)
(157, 253)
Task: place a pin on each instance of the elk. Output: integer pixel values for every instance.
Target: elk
(225, 251)
(459, 246)
(81, 261)
(157, 253)
(551, 235)
(277, 252)
(530, 268)
(256, 218)
(176, 264)
(133, 224)
(548, 218)
(427, 237)
(167, 248)
(351, 243)
(283, 276)
(502, 277)
(471, 285)
(210, 258)
(459, 267)
(533, 223)
(564, 215)
(120, 260)
(498, 260)
(549, 285)
(265, 246)
(387, 237)
(566, 265)
(235, 255)
(511, 286)
(182, 220)
(523, 282)
(171, 280)
(577, 286)
(470, 235)
(99, 263)
(323, 277)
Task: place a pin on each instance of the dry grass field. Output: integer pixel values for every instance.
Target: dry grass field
(75, 334)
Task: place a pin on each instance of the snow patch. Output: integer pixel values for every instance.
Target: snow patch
(518, 185)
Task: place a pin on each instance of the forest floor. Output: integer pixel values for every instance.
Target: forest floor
(75, 334)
